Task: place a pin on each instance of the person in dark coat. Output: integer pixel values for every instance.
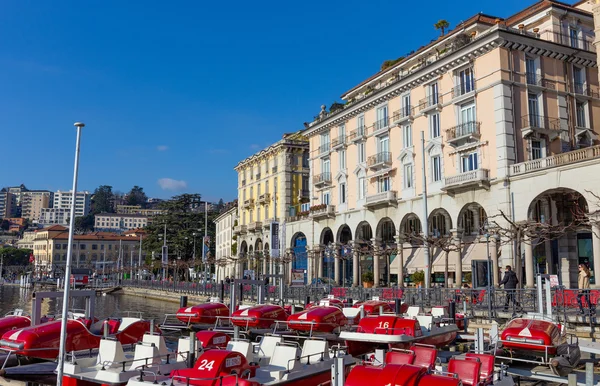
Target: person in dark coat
(510, 282)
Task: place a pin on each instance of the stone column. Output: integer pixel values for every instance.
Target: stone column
(289, 265)
(336, 264)
(494, 257)
(309, 264)
(264, 265)
(355, 264)
(596, 251)
(458, 275)
(529, 271)
(549, 261)
(400, 259)
(319, 262)
(376, 272)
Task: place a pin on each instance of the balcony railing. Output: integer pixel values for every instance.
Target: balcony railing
(322, 179)
(380, 159)
(240, 229)
(322, 211)
(324, 148)
(571, 157)
(463, 88)
(359, 134)
(586, 89)
(264, 198)
(433, 100)
(382, 198)
(567, 40)
(380, 125)
(540, 81)
(255, 226)
(338, 142)
(480, 177)
(463, 130)
(533, 121)
(248, 203)
(406, 112)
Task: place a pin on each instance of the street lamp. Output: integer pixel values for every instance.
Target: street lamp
(489, 268)
(65, 304)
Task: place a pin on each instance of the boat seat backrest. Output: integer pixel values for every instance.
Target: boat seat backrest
(439, 312)
(425, 321)
(424, 356)
(243, 347)
(126, 322)
(314, 350)
(159, 342)
(487, 366)
(146, 354)
(466, 369)
(351, 313)
(399, 357)
(413, 311)
(265, 348)
(110, 353)
(284, 356)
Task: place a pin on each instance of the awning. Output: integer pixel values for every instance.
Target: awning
(380, 173)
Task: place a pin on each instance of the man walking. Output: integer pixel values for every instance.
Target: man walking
(510, 282)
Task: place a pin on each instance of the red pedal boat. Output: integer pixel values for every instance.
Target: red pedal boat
(206, 313)
(392, 331)
(542, 339)
(13, 321)
(287, 365)
(42, 341)
(261, 316)
(318, 319)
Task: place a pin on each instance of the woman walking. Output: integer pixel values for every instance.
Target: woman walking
(583, 283)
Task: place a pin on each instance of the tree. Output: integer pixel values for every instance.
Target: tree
(441, 25)
(220, 205)
(15, 256)
(136, 196)
(103, 200)
(84, 224)
(5, 225)
(418, 277)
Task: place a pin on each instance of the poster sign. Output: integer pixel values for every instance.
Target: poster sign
(274, 231)
(206, 248)
(554, 281)
(298, 277)
(165, 255)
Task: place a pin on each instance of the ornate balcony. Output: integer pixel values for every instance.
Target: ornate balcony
(586, 90)
(463, 88)
(322, 180)
(539, 81)
(479, 178)
(405, 114)
(240, 230)
(432, 102)
(264, 199)
(380, 127)
(359, 134)
(380, 160)
(267, 223)
(571, 157)
(248, 204)
(324, 149)
(322, 211)
(255, 226)
(464, 131)
(382, 199)
(539, 124)
(339, 142)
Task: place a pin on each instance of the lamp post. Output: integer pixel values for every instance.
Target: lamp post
(65, 304)
(489, 271)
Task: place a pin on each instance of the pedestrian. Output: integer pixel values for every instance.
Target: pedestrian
(227, 280)
(510, 282)
(583, 283)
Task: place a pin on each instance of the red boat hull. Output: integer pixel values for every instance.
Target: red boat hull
(531, 335)
(43, 341)
(261, 316)
(205, 313)
(318, 319)
(13, 322)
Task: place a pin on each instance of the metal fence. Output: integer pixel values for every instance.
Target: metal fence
(473, 301)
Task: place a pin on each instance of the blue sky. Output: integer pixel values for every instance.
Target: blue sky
(174, 94)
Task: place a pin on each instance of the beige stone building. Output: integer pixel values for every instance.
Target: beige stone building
(114, 222)
(502, 115)
(32, 203)
(89, 251)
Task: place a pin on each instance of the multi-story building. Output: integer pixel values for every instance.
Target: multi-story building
(272, 185)
(226, 242)
(500, 118)
(63, 200)
(137, 209)
(16, 224)
(54, 216)
(26, 240)
(8, 204)
(114, 222)
(33, 201)
(89, 251)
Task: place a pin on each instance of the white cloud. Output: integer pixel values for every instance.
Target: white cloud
(254, 146)
(171, 184)
(162, 148)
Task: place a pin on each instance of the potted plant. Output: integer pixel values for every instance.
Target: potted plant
(367, 279)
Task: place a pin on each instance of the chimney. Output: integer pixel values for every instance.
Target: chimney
(521, 27)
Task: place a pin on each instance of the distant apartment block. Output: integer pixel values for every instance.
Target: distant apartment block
(119, 222)
(33, 202)
(63, 200)
(8, 204)
(54, 216)
(137, 209)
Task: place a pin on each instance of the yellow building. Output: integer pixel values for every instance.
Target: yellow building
(272, 185)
